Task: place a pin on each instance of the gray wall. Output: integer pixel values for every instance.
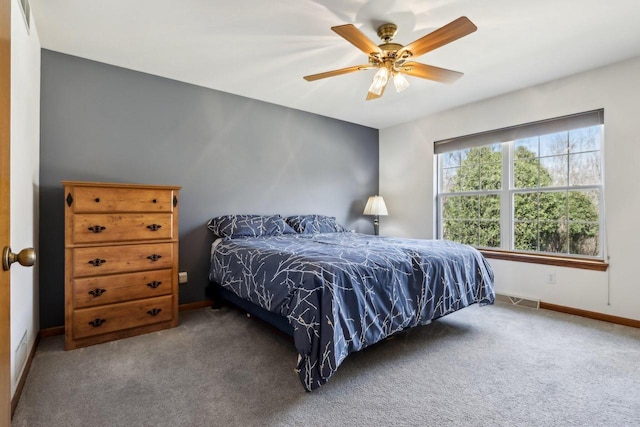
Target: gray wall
(230, 155)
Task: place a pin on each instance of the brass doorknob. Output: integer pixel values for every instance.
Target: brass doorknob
(26, 257)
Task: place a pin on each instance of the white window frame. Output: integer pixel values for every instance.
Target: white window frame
(507, 192)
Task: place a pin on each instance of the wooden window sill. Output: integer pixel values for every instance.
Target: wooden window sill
(560, 261)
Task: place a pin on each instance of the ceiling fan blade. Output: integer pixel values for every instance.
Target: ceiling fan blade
(371, 95)
(319, 76)
(430, 72)
(357, 38)
(440, 37)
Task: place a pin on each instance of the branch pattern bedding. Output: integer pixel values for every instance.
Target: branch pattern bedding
(343, 291)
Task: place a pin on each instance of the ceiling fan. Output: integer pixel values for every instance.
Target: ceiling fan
(392, 59)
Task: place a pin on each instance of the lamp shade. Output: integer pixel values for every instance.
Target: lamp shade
(375, 206)
(400, 82)
(379, 81)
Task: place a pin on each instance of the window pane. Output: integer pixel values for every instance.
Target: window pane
(584, 205)
(584, 168)
(451, 207)
(450, 230)
(554, 171)
(491, 153)
(525, 206)
(585, 139)
(553, 236)
(553, 206)
(469, 177)
(469, 208)
(491, 176)
(584, 239)
(525, 236)
(525, 174)
(489, 235)
(554, 144)
(526, 148)
(450, 159)
(449, 179)
(489, 207)
(468, 232)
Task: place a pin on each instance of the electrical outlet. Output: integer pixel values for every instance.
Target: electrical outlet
(551, 278)
(182, 277)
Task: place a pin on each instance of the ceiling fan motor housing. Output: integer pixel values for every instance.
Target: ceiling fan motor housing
(388, 54)
(387, 32)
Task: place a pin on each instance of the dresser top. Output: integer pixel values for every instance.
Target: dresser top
(119, 185)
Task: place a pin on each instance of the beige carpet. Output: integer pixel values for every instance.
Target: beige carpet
(499, 365)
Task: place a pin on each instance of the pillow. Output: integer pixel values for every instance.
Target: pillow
(249, 226)
(314, 224)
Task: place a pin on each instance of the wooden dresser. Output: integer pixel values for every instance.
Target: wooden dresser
(121, 261)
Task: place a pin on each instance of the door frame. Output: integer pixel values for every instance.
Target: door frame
(5, 217)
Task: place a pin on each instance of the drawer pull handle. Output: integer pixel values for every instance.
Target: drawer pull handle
(97, 262)
(154, 257)
(155, 200)
(97, 228)
(154, 311)
(154, 284)
(97, 292)
(97, 322)
(97, 199)
(154, 227)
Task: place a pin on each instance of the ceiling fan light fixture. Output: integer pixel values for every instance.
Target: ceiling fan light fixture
(400, 82)
(379, 81)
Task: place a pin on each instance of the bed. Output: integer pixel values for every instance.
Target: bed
(337, 292)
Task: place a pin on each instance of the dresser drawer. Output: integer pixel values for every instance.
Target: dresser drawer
(115, 317)
(105, 199)
(121, 259)
(100, 228)
(92, 291)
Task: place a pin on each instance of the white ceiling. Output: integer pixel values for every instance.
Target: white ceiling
(261, 49)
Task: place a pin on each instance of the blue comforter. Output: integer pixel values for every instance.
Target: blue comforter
(344, 291)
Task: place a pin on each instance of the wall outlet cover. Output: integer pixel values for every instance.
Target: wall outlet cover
(182, 277)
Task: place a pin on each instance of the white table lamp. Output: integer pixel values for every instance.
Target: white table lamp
(376, 207)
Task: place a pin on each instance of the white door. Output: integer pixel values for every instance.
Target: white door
(5, 122)
(18, 159)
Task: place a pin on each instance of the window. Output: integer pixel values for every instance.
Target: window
(534, 188)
